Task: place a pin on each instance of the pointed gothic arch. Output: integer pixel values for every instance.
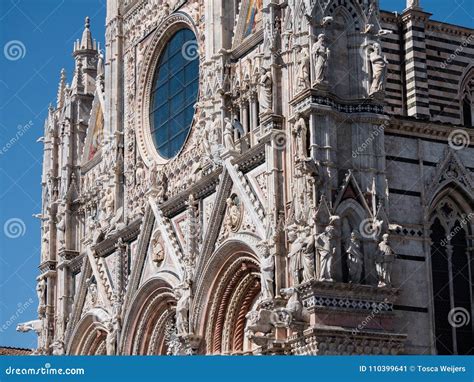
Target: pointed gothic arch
(228, 296)
(149, 322)
(90, 334)
(451, 222)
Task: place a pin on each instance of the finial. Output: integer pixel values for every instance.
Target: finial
(87, 23)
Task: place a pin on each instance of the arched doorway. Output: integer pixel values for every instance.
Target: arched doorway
(227, 294)
(89, 337)
(149, 325)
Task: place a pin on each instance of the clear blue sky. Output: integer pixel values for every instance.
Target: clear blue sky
(47, 30)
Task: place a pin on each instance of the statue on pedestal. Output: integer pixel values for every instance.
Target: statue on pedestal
(379, 70)
(302, 254)
(355, 259)
(265, 97)
(326, 247)
(384, 262)
(320, 59)
(303, 71)
(183, 293)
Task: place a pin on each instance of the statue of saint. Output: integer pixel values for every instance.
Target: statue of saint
(320, 59)
(41, 293)
(265, 98)
(303, 70)
(379, 70)
(384, 262)
(183, 294)
(300, 132)
(267, 271)
(301, 255)
(326, 247)
(229, 142)
(355, 259)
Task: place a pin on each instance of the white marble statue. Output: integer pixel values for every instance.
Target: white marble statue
(384, 262)
(229, 142)
(267, 271)
(320, 59)
(265, 97)
(300, 132)
(183, 293)
(379, 69)
(301, 255)
(326, 247)
(303, 71)
(41, 293)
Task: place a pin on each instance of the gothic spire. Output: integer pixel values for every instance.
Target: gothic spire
(86, 43)
(62, 86)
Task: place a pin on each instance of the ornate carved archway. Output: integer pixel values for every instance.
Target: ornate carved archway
(149, 323)
(226, 299)
(90, 334)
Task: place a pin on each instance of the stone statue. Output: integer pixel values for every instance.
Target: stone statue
(326, 247)
(302, 254)
(303, 71)
(158, 252)
(159, 184)
(111, 339)
(58, 347)
(267, 270)
(41, 293)
(384, 262)
(355, 259)
(183, 293)
(265, 98)
(61, 224)
(379, 70)
(233, 215)
(93, 293)
(24, 327)
(300, 132)
(320, 59)
(229, 143)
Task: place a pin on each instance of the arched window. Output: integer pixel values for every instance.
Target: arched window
(452, 270)
(174, 93)
(467, 111)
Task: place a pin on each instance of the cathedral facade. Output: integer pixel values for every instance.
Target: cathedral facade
(260, 177)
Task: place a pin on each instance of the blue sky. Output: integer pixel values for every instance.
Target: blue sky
(46, 30)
